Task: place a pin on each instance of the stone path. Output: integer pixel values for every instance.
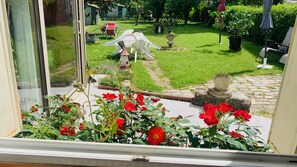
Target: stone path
(262, 90)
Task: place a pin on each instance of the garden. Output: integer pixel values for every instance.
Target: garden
(194, 59)
(196, 55)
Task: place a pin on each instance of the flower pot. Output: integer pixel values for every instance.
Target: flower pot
(235, 43)
(222, 82)
(170, 38)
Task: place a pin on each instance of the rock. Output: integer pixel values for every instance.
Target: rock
(238, 100)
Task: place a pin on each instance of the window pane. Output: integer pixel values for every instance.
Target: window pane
(23, 34)
(58, 15)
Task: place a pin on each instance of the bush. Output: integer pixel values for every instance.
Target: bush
(283, 16)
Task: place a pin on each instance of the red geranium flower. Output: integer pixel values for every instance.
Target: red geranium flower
(155, 100)
(23, 116)
(242, 114)
(65, 108)
(109, 96)
(234, 134)
(34, 109)
(223, 107)
(130, 107)
(163, 109)
(156, 135)
(143, 108)
(140, 99)
(121, 126)
(121, 97)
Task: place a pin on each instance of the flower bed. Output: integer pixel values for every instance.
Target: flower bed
(134, 119)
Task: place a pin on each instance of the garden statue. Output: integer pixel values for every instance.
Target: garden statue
(124, 59)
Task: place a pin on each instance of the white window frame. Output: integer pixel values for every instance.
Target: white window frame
(103, 154)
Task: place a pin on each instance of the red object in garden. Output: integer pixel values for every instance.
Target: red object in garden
(221, 8)
(110, 29)
(156, 135)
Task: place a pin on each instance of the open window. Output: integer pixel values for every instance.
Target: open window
(102, 154)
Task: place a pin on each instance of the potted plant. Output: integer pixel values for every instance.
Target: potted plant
(238, 25)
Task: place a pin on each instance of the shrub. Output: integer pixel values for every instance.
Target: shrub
(283, 16)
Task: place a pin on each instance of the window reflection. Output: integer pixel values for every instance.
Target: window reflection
(58, 15)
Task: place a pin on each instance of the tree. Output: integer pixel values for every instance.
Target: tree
(134, 4)
(157, 7)
(187, 6)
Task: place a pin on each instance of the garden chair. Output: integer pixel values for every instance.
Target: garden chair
(110, 29)
(118, 39)
(144, 44)
(277, 47)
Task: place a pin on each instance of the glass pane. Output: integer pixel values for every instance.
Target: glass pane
(22, 26)
(58, 15)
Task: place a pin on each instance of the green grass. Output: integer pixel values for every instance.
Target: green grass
(60, 42)
(200, 59)
(141, 79)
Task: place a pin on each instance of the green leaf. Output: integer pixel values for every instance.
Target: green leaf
(212, 131)
(159, 122)
(182, 133)
(147, 113)
(184, 121)
(138, 141)
(238, 145)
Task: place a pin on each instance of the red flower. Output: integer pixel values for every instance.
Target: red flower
(242, 114)
(143, 108)
(65, 108)
(121, 97)
(234, 134)
(109, 96)
(82, 126)
(155, 100)
(23, 116)
(156, 135)
(140, 99)
(121, 126)
(210, 108)
(209, 114)
(34, 109)
(209, 118)
(163, 109)
(130, 107)
(223, 107)
(67, 130)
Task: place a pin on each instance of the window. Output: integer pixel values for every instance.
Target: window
(102, 154)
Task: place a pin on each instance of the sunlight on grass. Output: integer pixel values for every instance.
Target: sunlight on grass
(200, 59)
(141, 79)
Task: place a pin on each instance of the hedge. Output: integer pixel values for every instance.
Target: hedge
(283, 16)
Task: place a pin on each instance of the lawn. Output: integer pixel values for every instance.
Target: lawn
(197, 59)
